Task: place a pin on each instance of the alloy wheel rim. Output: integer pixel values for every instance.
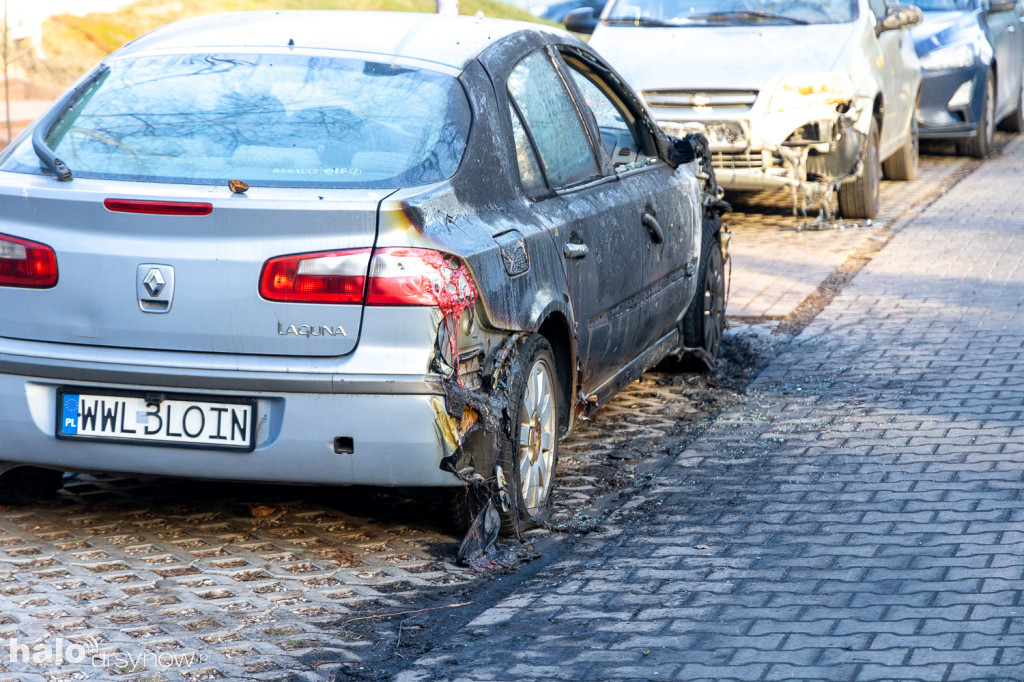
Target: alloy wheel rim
(714, 304)
(537, 435)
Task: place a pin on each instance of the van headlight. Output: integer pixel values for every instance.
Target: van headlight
(956, 57)
(810, 90)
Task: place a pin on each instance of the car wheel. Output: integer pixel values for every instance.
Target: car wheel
(28, 484)
(1014, 123)
(529, 456)
(980, 145)
(903, 164)
(858, 198)
(704, 320)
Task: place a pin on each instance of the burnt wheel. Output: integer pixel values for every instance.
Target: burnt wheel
(858, 198)
(28, 484)
(530, 454)
(704, 320)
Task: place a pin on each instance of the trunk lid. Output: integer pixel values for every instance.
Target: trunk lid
(214, 265)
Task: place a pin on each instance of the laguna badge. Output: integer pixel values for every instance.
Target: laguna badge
(309, 330)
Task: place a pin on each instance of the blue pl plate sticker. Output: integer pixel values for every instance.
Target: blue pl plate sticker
(69, 420)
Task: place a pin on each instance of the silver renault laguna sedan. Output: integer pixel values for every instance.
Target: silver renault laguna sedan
(342, 248)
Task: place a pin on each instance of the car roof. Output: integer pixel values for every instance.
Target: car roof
(450, 40)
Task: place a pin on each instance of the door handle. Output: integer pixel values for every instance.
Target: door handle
(653, 228)
(571, 250)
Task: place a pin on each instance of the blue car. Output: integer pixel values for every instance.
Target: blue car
(972, 62)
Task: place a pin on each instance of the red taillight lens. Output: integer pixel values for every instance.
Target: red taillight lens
(408, 276)
(327, 277)
(26, 264)
(397, 276)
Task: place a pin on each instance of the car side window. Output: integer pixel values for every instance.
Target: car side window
(529, 169)
(878, 8)
(614, 120)
(552, 120)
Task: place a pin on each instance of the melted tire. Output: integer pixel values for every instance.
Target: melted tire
(527, 456)
(29, 484)
(704, 320)
(859, 198)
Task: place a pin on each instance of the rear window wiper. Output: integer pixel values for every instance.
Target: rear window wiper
(50, 120)
(746, 14)
(640, 21)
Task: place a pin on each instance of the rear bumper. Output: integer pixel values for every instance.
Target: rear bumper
(395, 437)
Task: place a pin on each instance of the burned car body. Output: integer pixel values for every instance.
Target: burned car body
(786, 92)
(342, 248)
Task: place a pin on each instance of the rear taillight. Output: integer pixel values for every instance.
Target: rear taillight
(26, 264)
(408, 276)
(326, 277)
(397, 276)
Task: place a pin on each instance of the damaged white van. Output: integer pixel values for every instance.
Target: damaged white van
(810, 94)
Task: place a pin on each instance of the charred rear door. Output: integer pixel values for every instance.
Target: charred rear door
(593, 221)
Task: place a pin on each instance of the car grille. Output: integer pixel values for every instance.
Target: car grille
(742, 160)
(701, 100)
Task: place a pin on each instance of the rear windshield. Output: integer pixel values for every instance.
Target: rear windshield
(267, 120)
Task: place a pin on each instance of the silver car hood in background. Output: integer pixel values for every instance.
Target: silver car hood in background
(733, 57)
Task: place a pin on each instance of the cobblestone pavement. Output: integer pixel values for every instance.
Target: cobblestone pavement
(857, 516)
(776, 265)
(248, 582)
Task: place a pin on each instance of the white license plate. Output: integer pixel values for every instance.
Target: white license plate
(156, 419)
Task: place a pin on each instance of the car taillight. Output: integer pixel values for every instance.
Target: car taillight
(326, 277)
(410, 276)
(26, 264)
(397, 276)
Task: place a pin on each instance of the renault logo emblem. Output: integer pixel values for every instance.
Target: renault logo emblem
(154, 282)
(154, 286)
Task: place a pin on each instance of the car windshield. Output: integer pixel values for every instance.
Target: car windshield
(943, 5)
(730, 12)
(266, 119)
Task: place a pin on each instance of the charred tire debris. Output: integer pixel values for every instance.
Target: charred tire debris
(486, 389)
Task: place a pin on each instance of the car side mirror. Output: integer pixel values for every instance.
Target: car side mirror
(900, 16)
(1002, 5)
(582, 20)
